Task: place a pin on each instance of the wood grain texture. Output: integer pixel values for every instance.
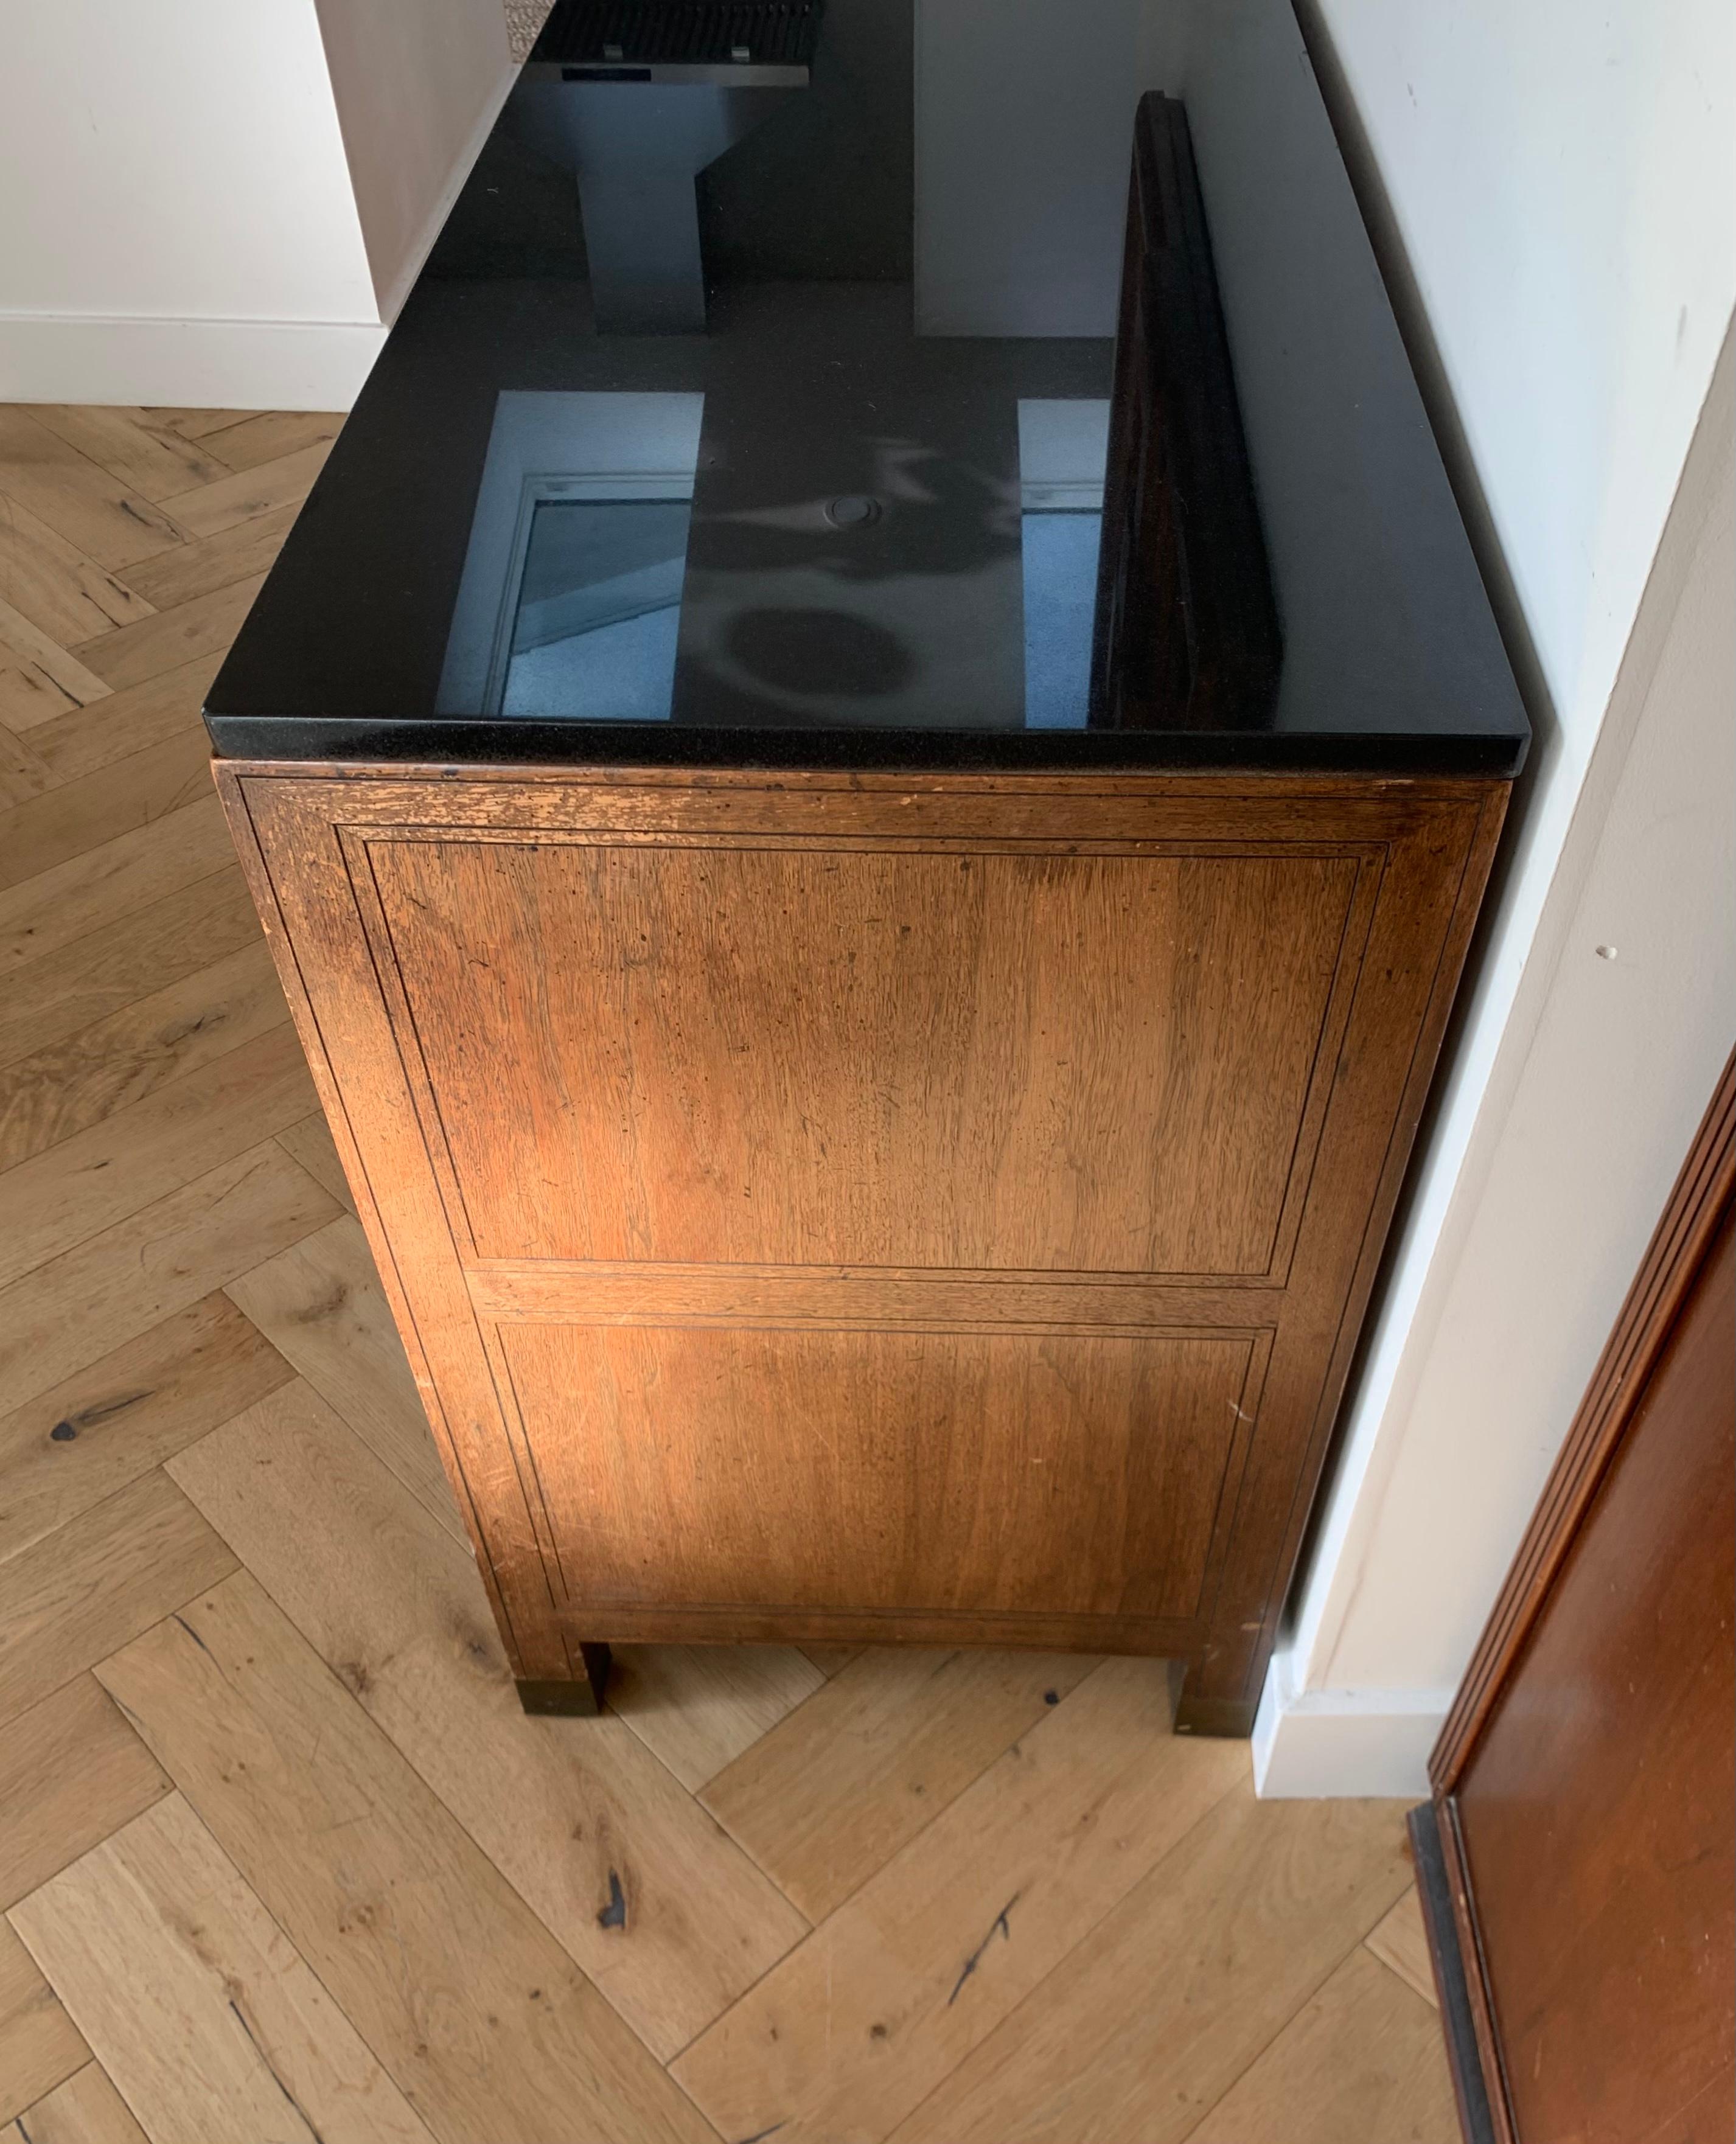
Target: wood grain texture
(24, 773)
(697, 1707)
(93, 1179)
(55, 907)
(849, 2034)
(320, 1303)
(82, 813)
(85, 739)
(197, 2003)
(1593, 1814)
(39, 2043)
(1583, 1776)
(73, 1596)
(412, 1923)
(215, 562)
(940, 1019)
(1194, 1972)
(1362, 2060)
(57, 994)
(577, 1821)
(87, 2109)
(143, 995)
(151, 457)
(71, 1085)
(71, 1771)
(874, 1757)
(55, 585)
(1003, 1467)
(1093, 1036)
(284, 481)
(134, 654)
(78, 500)
(156, 1261)
(1401, 1943)
(311, 1144)
(115, 1418)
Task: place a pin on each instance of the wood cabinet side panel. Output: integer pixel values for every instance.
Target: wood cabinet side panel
(285, 837)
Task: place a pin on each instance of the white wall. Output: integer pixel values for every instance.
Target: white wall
(1561, 183)
(417, 84)
(178, 219)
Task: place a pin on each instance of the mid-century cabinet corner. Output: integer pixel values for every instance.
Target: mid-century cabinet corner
(832, 1208)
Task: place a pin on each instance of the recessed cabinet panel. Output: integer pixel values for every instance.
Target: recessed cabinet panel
(964, 1472)
(782, 1056)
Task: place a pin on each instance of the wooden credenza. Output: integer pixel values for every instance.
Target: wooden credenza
(832, 1208)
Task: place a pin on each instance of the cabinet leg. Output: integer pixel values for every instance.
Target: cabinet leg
(1205, 1707)
(579, 1698)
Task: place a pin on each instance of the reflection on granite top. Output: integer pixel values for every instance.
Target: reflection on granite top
(755, 414)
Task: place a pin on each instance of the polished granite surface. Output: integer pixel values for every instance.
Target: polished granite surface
(800, 462)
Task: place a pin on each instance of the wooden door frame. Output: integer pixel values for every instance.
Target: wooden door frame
(1698, 1205)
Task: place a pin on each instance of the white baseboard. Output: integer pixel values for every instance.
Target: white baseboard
(190, 364)
(1317, 1745)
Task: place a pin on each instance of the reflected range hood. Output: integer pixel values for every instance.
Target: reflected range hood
(637, 97)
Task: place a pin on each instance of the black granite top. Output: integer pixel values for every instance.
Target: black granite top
(802, 463)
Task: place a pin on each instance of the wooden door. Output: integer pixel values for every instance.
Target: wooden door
(832, 1208)
(1585, 1784)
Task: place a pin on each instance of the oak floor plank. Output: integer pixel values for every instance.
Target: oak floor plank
(823, 1800)
(142, 453)
(24, 773)
(1364, 2059)
(78, 500)
(321, 1306)
(87, 2109)
(196, 424)
(1401, 1943)
(65, 680)
(844, 2038)
(39, 2044)
(67, 991)
(273, 433)
(80, 742)
(73, 1447)
(284, 482)
(196, 2003)
(203, 625)
(158, 1261)
(1142, 2029)
(71, 1771)
(475, 2010)
(118, 1061)
(310, 1142)
(82, 814)
(107, 884)
(664, 1913)
(832, 1659)
(214, 562)
(84, 1184)
(55, 585)
(75, 1596)
(697, 1707)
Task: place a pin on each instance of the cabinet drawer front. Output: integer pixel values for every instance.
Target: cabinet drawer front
(786, 1056)
(971, 1473)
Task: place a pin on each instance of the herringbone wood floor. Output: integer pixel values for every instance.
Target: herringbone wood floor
(280, 1858)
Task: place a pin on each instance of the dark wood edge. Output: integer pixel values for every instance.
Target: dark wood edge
(579, 1697)
(1483, 836)
(1452, 1983)
(1116, 782)
(228, 777)
(1702, 1193)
